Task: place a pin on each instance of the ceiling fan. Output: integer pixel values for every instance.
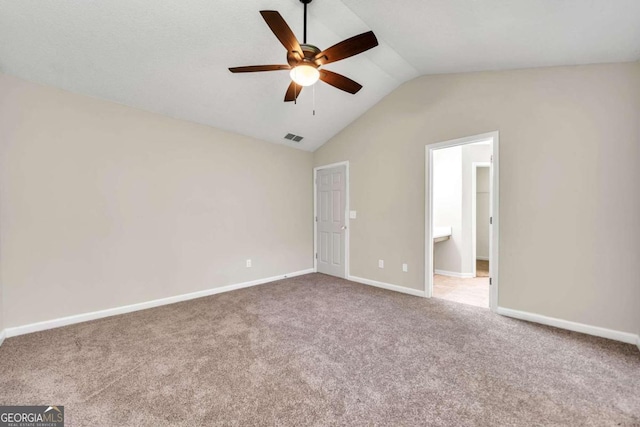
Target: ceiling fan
(305, 60)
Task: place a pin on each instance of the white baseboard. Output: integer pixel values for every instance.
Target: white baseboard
(454, 274)
(387, 286)
(572, 326)
(482, 258)
(3, 335)
(70, 320)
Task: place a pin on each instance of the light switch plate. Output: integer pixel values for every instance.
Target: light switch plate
(405, 267)
(352, 214)
(380, 263)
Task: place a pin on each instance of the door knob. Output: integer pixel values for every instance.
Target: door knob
(344, 227)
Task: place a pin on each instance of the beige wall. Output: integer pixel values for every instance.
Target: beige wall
(1, 311)
(569, 173)
(104, 205)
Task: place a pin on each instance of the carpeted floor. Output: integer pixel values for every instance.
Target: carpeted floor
(316, 351)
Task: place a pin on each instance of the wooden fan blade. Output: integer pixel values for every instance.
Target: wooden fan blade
(346, 48)
(293, 91)
(339, 81)
(254, 68)
(278, 25)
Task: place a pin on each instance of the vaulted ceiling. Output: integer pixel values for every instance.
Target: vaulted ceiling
(171, 57)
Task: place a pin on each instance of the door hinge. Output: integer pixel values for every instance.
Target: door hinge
(490, 281)
(490, 219)
(491, 158)
(316, 219)
(316, 255)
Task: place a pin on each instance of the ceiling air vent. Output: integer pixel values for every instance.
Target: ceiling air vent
(294, 138)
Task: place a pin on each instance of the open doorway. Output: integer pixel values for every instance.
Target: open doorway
(461, 220)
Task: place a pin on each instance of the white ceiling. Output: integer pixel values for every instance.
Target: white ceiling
(171, 57)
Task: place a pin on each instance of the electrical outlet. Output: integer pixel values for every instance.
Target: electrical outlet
(353, 214)
(248, 263)
(380, 263)
(405, 267)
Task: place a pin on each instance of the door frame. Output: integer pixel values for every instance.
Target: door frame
(474, 201)
(346, 215)
(495, 199)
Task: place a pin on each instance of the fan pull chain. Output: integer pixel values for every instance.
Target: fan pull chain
(314, 100)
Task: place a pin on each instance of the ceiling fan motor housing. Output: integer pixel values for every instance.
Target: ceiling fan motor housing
(309, 51)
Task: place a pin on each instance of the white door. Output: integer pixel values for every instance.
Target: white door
(330, 217)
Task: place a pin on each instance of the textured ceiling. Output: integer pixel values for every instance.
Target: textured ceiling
(171, 57)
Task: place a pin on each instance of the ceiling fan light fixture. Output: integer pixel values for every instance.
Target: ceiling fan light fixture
(305, 75)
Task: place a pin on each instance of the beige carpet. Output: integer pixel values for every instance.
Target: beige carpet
(318, 351)
(473, 291)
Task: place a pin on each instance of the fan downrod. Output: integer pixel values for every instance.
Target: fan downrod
(304, 35)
